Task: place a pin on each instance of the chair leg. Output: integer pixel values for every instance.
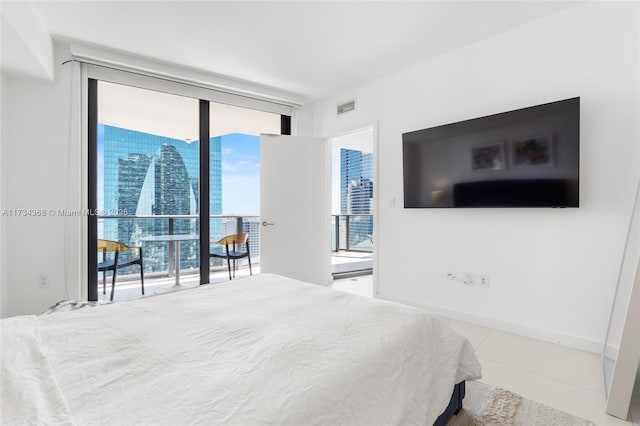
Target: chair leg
(141, 271)
(104, 282)
(228, 261)
(235, 266)
(249, 257)
(142, 278)
(113, 283)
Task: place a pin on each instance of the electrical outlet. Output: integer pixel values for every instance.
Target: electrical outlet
(484, 280)
(44, 282)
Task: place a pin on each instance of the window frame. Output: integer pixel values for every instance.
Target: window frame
(91, 74)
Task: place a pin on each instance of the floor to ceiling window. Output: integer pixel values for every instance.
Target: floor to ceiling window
(147, 183)
(152, 180)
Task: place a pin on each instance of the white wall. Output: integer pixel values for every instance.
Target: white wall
(553, 271)
(39, 172)
(303, 120)
(3, 263)
(27, 48)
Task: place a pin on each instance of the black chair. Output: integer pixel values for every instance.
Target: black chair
(115, 262)
(232, 254)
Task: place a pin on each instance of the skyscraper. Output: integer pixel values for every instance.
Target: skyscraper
(132, 169)
(146, 174)
(356, 193)
(173, 193)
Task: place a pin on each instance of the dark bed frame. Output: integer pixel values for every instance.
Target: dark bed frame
(454, 407)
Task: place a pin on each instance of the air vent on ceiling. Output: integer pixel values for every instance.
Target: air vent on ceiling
(346, 107)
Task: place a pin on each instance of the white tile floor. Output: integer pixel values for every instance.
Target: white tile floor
(564, 378)
(361, 285)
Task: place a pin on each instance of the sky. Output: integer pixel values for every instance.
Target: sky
(241, 174)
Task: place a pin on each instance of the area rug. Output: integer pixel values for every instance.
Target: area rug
(486, 405)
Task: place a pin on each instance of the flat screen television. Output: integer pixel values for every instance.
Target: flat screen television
(528, 157)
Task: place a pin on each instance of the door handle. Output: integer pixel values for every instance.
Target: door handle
(267, 224)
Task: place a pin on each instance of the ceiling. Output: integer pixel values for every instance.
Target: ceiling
(306, 47)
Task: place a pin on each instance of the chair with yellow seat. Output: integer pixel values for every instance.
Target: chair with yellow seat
(122, 256)
(230, 253)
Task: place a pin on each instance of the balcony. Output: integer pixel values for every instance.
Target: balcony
(351, 245)
(352, 248)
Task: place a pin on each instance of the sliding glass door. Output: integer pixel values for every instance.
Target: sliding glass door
(147, 186)
(169, 174)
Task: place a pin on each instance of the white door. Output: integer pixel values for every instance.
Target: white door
(295, 220)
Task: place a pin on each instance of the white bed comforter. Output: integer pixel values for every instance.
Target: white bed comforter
(263, 350)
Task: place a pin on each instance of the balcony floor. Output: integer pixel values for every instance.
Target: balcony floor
(347, 262)
(130, 289)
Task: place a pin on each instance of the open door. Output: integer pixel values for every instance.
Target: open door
(295, 207)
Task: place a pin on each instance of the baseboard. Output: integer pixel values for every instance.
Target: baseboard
(509, 327)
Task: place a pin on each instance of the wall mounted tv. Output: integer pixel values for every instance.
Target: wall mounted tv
(529, 157)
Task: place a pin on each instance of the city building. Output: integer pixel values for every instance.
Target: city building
(356, 195)
(145, 174)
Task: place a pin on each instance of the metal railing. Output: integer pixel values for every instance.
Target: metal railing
(352, 232)
(159, 256)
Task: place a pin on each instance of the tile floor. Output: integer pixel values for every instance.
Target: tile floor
(361, 285)
(566, 379)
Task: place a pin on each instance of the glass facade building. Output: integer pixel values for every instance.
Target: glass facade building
(144, 174)
(356, 194)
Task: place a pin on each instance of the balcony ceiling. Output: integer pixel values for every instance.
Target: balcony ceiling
(306, 47)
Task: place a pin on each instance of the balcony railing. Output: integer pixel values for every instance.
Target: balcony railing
(352, 232)
(159, 256)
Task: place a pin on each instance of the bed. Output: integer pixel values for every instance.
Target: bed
(263, 350)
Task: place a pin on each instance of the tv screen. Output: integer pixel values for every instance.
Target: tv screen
(529, 157)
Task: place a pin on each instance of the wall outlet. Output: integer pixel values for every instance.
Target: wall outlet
(468, 279)
(43, 282)
(484, 280)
